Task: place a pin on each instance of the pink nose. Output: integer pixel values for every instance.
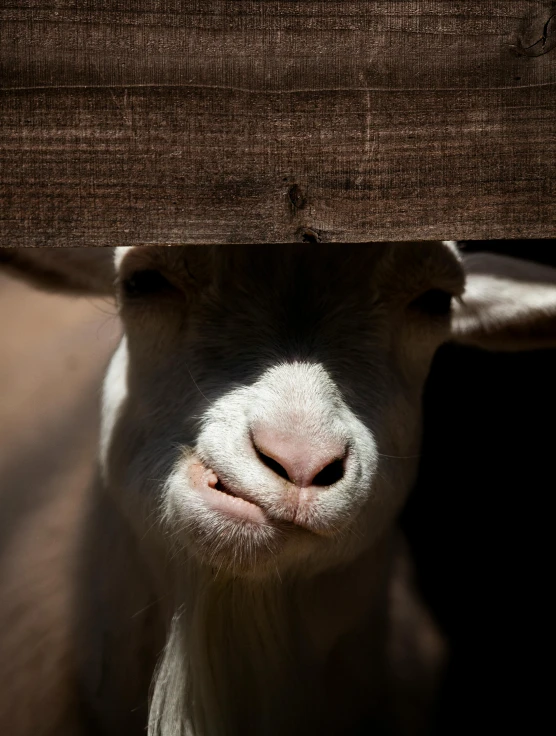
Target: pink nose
(304, 462)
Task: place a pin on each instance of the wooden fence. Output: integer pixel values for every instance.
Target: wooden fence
(227, 121)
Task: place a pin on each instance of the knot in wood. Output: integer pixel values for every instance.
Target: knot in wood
(538, 36)
(308, 235)
(297, 197)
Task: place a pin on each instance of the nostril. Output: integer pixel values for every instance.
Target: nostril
(272, 464)
(300, 459)
(330, 475)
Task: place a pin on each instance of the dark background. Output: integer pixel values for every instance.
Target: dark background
(480, 524)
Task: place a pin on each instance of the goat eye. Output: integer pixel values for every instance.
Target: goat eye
(435, 302)
(145, 283)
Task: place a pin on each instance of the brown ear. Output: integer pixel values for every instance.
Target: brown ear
(65, 270)
(508, 304)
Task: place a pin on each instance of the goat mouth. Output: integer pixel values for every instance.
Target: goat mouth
(220, 497)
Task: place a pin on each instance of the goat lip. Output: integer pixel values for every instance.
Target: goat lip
(312, 528)
(299, 513)
(234, 506)
(230, 502)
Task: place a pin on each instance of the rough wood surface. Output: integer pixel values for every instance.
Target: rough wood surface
(218, 121)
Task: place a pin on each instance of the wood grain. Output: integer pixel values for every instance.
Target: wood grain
(175, 121)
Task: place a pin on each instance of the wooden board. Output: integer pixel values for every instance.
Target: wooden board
(220, 121)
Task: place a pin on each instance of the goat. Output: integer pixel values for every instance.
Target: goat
(260, 433)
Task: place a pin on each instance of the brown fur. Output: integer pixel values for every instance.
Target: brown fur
(54, 353)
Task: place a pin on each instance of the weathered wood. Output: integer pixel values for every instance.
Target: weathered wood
(218, 121)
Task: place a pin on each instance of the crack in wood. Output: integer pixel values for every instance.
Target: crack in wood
(542, 45)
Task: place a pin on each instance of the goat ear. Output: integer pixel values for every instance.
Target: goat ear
(508, 304)
(65, 270)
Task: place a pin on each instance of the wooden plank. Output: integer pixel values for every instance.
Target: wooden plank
(172, 121)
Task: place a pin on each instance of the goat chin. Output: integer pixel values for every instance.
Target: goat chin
(294, 656)
(226, 665)
(253, 656)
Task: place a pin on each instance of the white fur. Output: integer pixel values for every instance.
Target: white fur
(113, 397)
(242, 589)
